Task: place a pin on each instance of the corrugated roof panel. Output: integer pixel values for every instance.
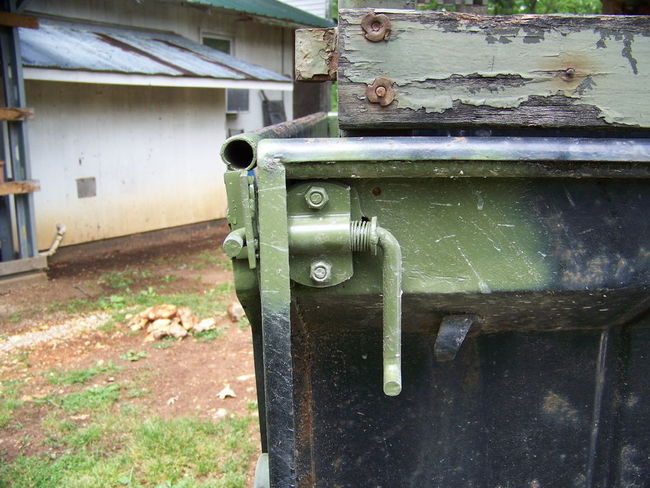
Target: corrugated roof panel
(269, 8)
(91, 47)
(186, 61)
(69, 47)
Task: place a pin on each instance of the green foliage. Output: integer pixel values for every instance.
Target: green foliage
(92, 398)
(212, 258)
(165, 343)
(80, 376)
(506, 7)
(133, 355)
(125, 450)
(9, 400)
(209, 335)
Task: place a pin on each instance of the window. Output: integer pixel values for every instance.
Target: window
(236, 100)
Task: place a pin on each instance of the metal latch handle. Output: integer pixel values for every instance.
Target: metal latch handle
(392, 291)
(367, 236)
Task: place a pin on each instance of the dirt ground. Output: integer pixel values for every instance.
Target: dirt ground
(182, 379)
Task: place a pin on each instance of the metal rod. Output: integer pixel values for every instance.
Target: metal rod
(375, 149)
(240, 151)
(392, 291)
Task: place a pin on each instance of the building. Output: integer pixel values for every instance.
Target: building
(133, 99)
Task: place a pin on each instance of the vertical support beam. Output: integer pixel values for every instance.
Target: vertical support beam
(16, 153)
(275, 293)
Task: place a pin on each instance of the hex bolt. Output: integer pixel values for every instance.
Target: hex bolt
(320, 272)
(316, 197)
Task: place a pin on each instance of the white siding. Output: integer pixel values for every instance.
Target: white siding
(267, 45)
(316, 7)
(153, 151)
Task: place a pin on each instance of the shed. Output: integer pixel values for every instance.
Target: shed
(132, 101)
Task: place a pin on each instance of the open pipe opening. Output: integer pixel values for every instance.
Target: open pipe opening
(239, 153)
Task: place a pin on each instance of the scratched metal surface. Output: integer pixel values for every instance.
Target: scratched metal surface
(96, 47)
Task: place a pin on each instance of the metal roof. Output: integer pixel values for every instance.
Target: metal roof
(111, 49)
(269, 8)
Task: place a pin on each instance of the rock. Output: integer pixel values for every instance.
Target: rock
(205, 324)
(220, 413)
(164, 311)
(176, 330)
(188, 319)
(138, 322)
(159, 324)
(235, 311)
(226, 392)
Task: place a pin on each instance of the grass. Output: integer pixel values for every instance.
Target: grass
(127, 449)
(204, 304)
(9, 401)
(80, 376)
(211, 258)
(89, 399)
(209, 335)
(133, 355)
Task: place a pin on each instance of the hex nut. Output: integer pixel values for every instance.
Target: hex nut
(320, 272)
(316, 197)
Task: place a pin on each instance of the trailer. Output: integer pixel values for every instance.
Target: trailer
(447, 281)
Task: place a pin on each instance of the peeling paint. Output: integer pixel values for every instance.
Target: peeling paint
(604, 75)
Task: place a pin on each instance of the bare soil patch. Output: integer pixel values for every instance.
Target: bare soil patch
(168, 378)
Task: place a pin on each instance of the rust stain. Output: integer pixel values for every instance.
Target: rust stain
(571, 73)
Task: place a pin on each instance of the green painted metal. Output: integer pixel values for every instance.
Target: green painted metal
(321, 234)
(233, 244)
(240, 151)
(392, 302)
(269, 8)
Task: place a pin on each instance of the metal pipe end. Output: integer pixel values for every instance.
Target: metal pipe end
(392, 379)
(239, 152)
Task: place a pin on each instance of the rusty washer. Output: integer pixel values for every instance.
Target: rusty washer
(381, 91)
(376, 27)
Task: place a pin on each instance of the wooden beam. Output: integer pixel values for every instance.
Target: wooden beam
(18, 266)
(19, 187)
(10, 113)
(316, 56)
(9, 19)
(460, 70)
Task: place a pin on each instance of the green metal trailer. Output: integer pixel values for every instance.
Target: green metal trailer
(450, 288)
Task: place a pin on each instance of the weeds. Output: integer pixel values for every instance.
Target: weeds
(123, 449)
(80, 376)
(209, 335)
(9, 400)
(212, 258)
(165, 343)
(133, 355)
(92, 398)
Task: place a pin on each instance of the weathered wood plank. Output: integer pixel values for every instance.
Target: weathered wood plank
(316, 55)
(8, 19)
(18, 266)
(18, 187)
(457, 70)
(10, 113)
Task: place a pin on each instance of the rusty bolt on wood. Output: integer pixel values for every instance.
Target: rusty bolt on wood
(381, 91)
(376, 27)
